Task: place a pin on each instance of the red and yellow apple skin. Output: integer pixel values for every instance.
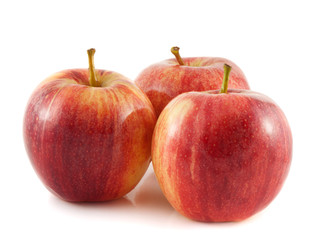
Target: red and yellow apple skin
(167, 79)
(89, 143)
(221, 157)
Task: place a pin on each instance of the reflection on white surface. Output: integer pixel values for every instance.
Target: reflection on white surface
(145, 204)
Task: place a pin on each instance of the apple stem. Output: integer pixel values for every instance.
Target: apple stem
(93, 81)
(175, 52)
(225, 81)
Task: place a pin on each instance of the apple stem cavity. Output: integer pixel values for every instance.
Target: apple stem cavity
(175, 52)
(225, 81)
(93, 81)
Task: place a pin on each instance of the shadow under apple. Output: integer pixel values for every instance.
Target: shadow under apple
(149, 195)
(145, 202)
(117, 207)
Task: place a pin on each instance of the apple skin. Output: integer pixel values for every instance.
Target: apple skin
(221, 157)
(89, 143)
(167, 79)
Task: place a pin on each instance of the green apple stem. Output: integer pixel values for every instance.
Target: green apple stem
(225, 81)
(175, 52)
(93, 81)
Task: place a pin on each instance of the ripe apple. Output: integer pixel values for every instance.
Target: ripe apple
(167, 79)
(88, 133)
(221, 155)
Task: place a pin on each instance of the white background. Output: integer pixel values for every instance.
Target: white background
(276, 43)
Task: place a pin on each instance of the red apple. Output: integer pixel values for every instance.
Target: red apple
(167, 79)
(88, 133)
(221, 155)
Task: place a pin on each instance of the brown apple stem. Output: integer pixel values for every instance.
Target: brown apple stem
(225, 81)
(93, 81)
(175, 52)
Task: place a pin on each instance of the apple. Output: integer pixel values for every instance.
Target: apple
(167, 79)
(221, 155)
(88, 133)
